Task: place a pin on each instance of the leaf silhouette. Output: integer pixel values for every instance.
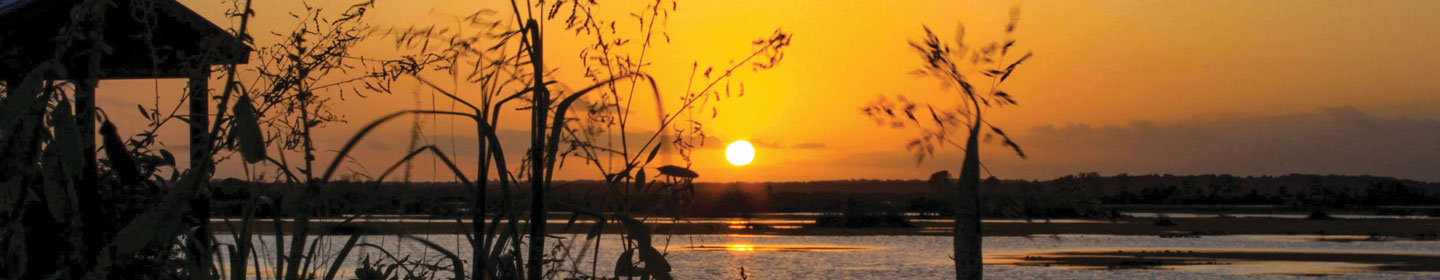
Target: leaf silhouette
(120, 159)
(1011, 69)
(247, 129)
(1007, 142)
(652, 154)
(67, 138)
(655, 264)
(142, 111)
(640, 178)
(679, 172)
(625, 268)
(1006, 96)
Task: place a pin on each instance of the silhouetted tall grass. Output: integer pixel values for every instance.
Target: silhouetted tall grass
(517, 49)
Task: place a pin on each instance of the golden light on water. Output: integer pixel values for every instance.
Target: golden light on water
(740, 153)
(740, 247)
(744, 246)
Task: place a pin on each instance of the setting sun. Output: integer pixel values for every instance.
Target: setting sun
(740, 153)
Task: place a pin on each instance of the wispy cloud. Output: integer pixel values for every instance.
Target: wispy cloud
(1340, 140)
(766, 144)
(809, 146)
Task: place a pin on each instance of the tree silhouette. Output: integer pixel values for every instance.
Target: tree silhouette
(954, 66)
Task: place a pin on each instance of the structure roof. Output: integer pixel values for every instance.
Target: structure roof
(145, 38)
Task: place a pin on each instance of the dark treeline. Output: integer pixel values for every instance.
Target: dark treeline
(1078, 195)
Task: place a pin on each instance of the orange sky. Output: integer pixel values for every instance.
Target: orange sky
(1243, 87)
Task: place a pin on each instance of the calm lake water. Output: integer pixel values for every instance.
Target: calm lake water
(913, 257)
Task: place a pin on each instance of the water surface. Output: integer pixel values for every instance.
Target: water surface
(915, 257)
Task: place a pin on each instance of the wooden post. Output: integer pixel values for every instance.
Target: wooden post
(200, 161)
(88, 188)
(199, 91)
(85, 118)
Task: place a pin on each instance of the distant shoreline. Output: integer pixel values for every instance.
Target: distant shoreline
(1379, 229)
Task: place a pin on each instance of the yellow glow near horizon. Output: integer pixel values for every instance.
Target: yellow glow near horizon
(740, 153)
(1110, 63)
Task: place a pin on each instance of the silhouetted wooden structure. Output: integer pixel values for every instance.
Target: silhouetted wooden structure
(126, 39)
(145, 39)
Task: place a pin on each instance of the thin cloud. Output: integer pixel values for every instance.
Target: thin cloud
(809, 146)
(1340, 140)
(767, 145)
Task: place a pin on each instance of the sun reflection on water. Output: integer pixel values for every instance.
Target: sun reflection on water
(740, 248)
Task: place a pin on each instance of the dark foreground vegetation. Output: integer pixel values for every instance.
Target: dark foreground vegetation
(120, 207)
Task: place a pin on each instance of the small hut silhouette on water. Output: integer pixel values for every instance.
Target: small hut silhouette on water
(143, 39)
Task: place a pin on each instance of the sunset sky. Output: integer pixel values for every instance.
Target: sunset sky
(1181, 87)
